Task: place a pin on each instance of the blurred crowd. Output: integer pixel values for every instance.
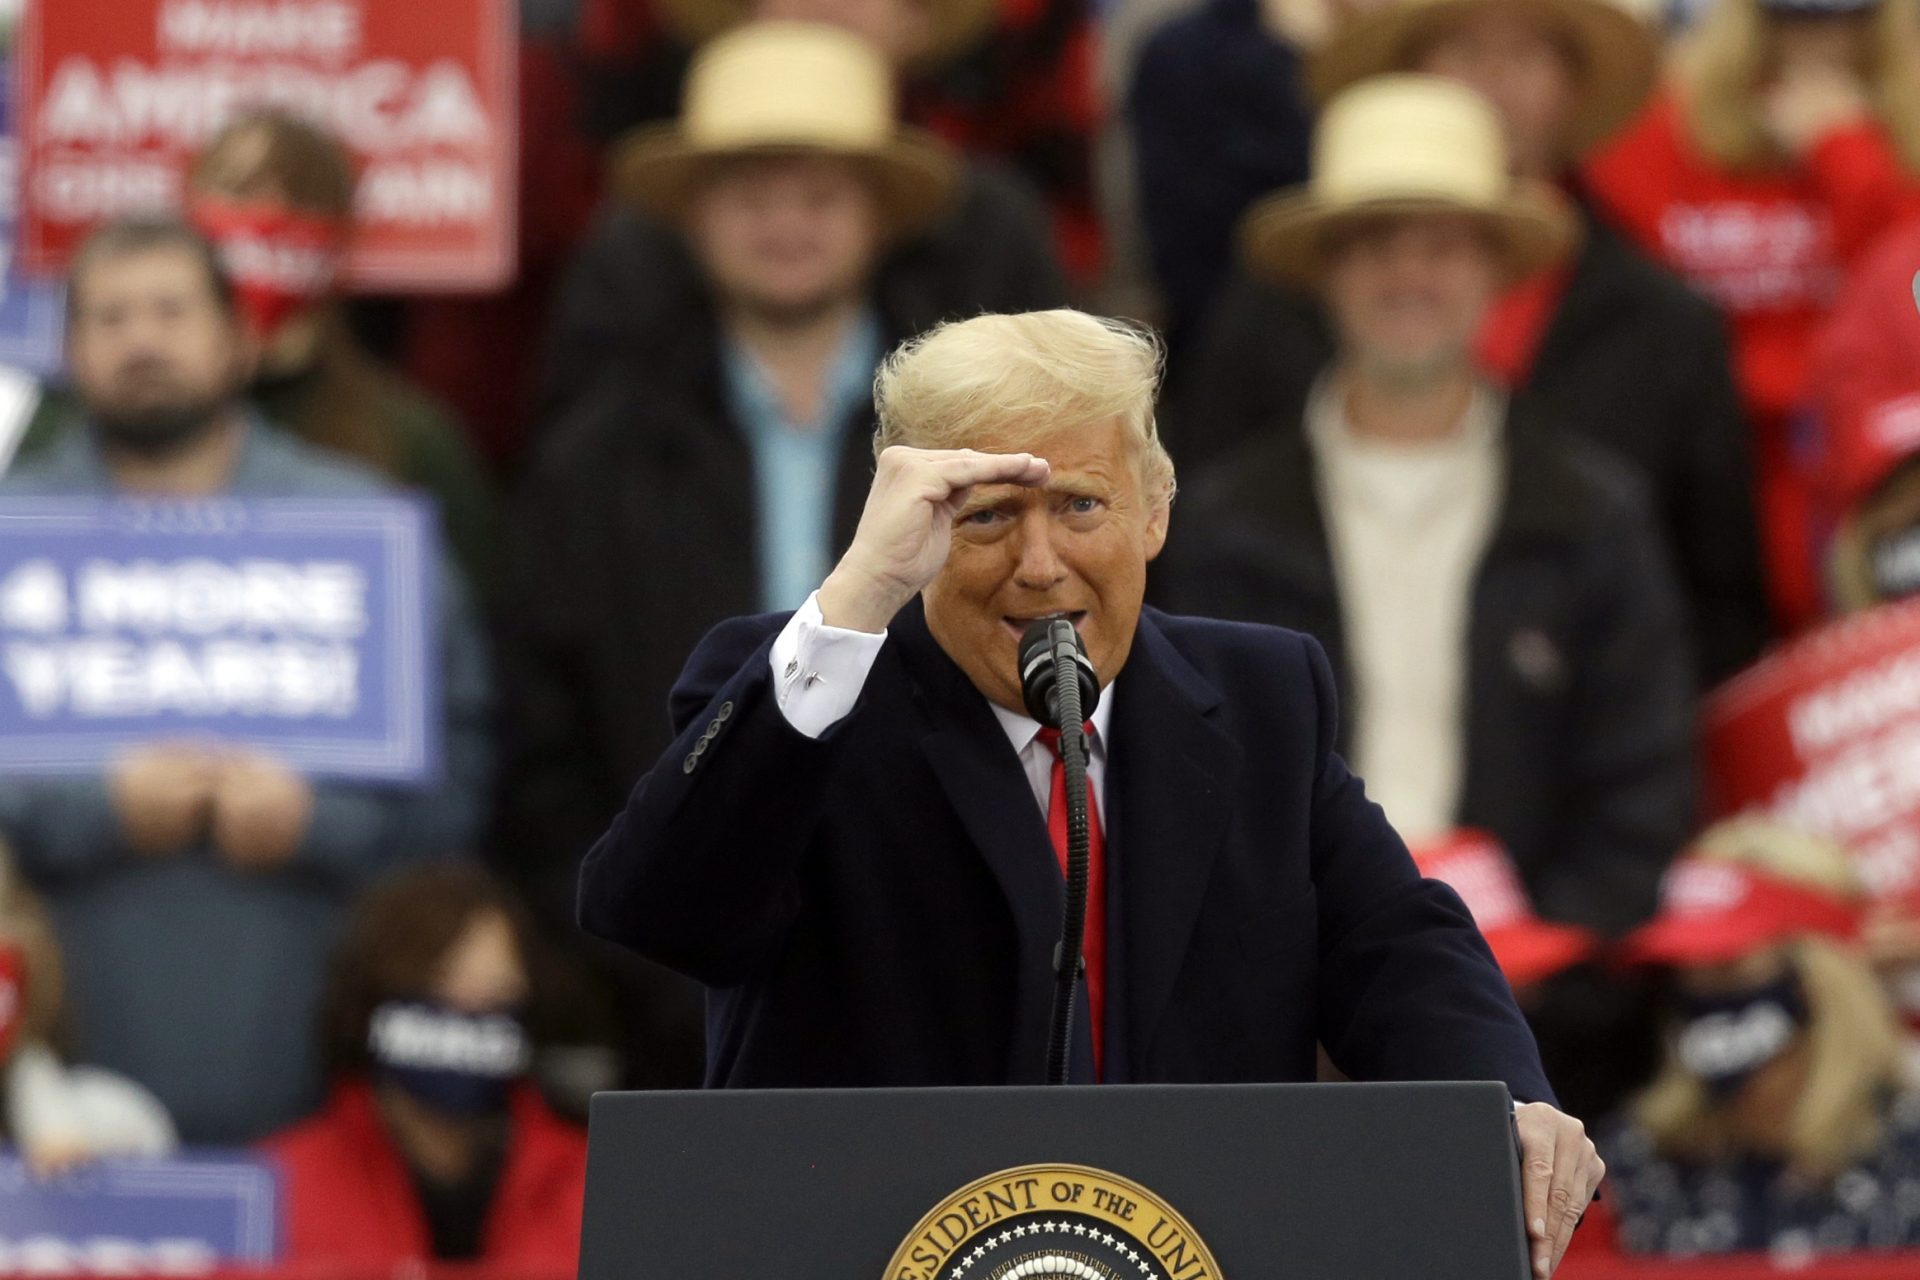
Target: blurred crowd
(1550, 361)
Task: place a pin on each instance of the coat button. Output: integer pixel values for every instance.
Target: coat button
(686, 766)
(1537, 660)
(713, 731)
(720, 716)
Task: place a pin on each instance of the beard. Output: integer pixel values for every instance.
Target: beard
(161, 424)
(157, 431)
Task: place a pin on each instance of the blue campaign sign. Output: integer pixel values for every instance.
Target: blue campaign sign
(148, 1217)
(303, 627)
(32, 312)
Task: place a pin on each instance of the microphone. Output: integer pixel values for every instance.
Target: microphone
(1058, 686)
(1047, 644)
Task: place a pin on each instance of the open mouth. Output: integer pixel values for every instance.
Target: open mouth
(1018, 624)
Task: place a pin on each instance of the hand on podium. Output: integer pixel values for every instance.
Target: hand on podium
(1560, 1170)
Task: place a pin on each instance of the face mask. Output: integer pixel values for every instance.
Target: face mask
(13, 997)
(454, 1062)
(1725, 1040)
(282, 261)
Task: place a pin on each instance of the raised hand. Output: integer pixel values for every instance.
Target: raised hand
(907, 527)
(163, 795)
(261, 811)
(1809, 100)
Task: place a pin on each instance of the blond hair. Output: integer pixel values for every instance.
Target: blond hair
(1853, 1038)
(1721, 67)
(1030, 375)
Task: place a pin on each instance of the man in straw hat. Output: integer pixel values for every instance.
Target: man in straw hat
(856, 839)
(718, 469)
(1494, 594)
(990, 250)
(1010, 81)
(1612, 347)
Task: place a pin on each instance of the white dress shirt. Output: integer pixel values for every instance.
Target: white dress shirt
(818, 672)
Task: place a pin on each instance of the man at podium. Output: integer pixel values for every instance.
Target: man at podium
(856, 841)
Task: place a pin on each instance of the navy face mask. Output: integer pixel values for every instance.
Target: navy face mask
(1725, 1040)
(454, 1062)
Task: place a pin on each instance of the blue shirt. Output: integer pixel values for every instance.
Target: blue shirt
(796, 464)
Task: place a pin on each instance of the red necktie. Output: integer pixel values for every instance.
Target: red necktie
(1095, 944)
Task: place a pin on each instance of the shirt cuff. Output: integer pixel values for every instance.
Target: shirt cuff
(818, 670)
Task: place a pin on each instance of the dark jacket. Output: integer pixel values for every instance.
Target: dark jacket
(992, 253)
(1579, 734)
(879, 906)
(1219, 116)
(1632, 360)
(636, 531)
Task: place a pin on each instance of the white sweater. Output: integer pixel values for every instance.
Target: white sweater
(1407, 525)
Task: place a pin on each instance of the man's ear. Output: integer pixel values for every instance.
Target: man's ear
(1157, 520)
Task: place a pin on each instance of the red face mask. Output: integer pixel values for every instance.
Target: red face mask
(13, 997)
(282, 261)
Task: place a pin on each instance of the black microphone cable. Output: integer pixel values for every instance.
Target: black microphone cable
(1050, 650)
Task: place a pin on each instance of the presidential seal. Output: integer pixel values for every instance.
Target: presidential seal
(1053, 1222)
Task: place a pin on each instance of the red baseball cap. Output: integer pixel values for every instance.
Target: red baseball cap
(1862, 453)
(1713, 911)
(1475, 866)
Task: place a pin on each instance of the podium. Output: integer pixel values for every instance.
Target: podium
(1142, 1182)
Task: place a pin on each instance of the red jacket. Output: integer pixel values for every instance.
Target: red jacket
(1864, 382)
(348, 1199)
(1771, 246)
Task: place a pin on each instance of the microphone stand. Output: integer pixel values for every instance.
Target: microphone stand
(1068, 960)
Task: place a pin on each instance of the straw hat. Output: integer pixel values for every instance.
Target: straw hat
(1618, 53)
(1406, 144)
(776, 88)
(954, 26)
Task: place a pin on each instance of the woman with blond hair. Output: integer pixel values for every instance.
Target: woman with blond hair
(1784, 1118)
(55, 1115)
(1786, 142)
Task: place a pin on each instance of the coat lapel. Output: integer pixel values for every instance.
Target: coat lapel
(1171, 773)
(983, 779)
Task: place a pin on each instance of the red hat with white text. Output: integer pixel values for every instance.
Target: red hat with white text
(1475, 866)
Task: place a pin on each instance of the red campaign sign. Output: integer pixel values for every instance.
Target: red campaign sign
(116, 95)
(1824, 734)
